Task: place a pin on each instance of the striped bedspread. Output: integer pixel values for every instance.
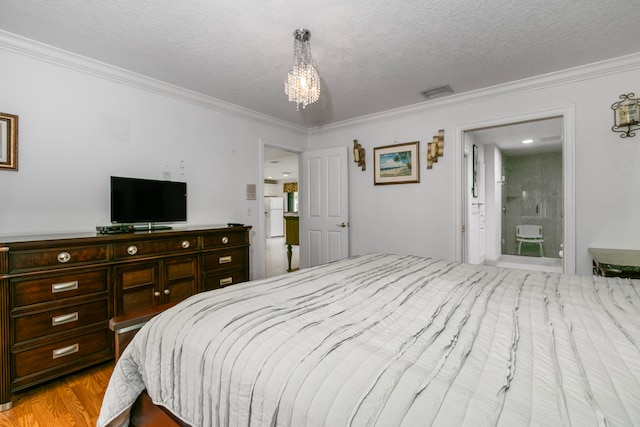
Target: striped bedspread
(386, 340)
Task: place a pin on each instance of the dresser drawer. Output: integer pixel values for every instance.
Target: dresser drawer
(40, 324)
(227, 259)
(64, 352)
(54, 288)
(56, 258)
(155, 247)
(216, 281)
(225, 238)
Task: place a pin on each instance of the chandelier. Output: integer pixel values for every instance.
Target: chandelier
(303, 83)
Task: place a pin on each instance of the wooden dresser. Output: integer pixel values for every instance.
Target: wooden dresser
(58, 292)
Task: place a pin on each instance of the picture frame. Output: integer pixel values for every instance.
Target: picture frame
(396, 164)
(8, 142)
(474, 174)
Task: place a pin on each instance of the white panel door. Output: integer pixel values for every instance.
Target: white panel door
(324, 206)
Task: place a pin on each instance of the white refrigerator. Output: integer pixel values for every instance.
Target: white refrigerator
(274, 211)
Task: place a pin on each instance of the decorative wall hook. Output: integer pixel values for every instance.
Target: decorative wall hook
(626, 115)
(435, 149)
(358, 154)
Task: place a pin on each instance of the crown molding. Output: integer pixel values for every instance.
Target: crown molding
(570, 75)
(30, 48)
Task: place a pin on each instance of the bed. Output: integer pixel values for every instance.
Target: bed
(391, 340)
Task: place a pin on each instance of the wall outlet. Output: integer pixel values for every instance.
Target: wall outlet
(249, 212)
(166, 175)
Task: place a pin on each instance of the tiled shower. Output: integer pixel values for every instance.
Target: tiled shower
(532, 194)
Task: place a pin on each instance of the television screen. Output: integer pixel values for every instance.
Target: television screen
(135, 200)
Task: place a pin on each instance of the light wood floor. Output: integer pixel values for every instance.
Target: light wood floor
(72, 401)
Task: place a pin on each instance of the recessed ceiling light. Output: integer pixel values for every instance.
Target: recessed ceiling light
(527, 141)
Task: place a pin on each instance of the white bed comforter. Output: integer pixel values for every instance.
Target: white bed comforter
(391, 340)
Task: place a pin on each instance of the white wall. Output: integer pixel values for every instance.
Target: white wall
(78, 128)
(420, 218)
(81, 122)
(475, 222)
(493, 161)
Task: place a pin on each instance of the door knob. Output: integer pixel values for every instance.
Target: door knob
(343, 224)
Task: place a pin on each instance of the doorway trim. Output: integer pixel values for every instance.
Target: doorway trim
(568, 176)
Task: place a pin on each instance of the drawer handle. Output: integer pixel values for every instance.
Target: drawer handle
(226, 281)
(185, 244)
(167, 291)
(132, 250)
(64, 257)
(65, 351)
(64, 318)
(64, 287)
(224, 259)
(156, 294)
(225, 240)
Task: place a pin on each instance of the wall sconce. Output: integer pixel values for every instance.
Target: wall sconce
(626, 114)
(358, 154)
(435, 149)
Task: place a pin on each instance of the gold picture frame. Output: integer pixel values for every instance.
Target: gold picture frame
(8, 141)
(396, 164)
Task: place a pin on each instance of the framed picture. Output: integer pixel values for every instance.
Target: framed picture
(396, 164)
(8, 141)
(474, 186)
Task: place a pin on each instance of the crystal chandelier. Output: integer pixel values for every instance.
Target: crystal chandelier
(303, 82)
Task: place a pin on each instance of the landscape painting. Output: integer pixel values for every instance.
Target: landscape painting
(397, 164)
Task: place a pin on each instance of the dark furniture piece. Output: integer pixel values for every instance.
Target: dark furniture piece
(144, 412)
(58, 292)
(616, 262)
(126, 326)
(292, 235)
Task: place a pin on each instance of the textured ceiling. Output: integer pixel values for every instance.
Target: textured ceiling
(280, 165)
(371, 55)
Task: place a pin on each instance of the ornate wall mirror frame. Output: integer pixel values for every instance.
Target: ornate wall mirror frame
(8, 141)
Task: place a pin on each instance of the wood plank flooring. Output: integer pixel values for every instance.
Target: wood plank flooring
(72, 401)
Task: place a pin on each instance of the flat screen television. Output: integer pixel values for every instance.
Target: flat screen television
(137, 201)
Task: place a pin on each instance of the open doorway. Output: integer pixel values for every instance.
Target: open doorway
(280, 210)
(514, 186)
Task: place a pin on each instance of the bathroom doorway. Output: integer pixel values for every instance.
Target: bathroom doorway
(516, 178)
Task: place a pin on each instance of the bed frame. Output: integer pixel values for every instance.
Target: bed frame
(144, 412)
